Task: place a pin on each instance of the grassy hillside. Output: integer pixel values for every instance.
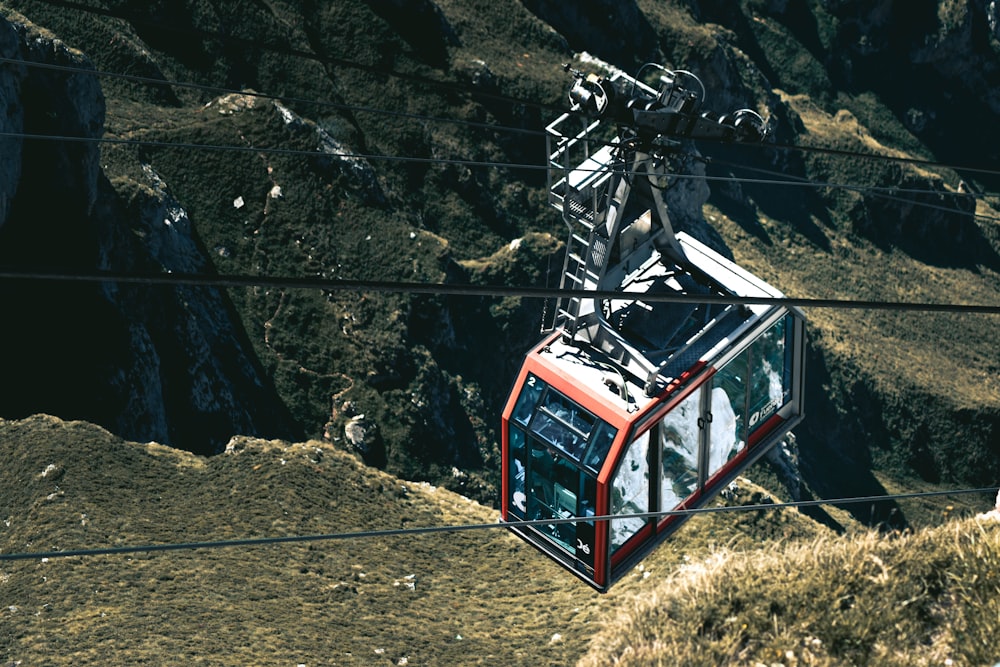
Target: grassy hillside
(928, 598)
(477, 597)
(744, 584)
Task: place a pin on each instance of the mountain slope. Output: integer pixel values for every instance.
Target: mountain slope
(911, 395)
(927, 598)
(472, 597)
(743, 586)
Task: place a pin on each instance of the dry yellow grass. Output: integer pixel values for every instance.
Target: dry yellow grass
(475, 597)
(929, 598)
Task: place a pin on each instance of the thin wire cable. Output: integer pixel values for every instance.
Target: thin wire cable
(273, 150)
(152, 81)
(880, 192)
(190, 31)
(445, 289)
(488, 126)
(889, 158)
(459, 88)
(504, 128)
(492, 164)
(427, 530)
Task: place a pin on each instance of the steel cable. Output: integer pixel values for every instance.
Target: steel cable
(427, 530)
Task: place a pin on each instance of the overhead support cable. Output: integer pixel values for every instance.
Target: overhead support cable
(275, 150)
(428, 530)
(887, 193)
(445, 289)
(495, 127)
(453, 86)
(923, 162)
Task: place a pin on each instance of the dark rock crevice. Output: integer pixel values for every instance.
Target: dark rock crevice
(171, 364)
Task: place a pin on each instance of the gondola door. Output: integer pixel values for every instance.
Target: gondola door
(549, 439)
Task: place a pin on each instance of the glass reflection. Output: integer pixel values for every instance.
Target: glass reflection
(679, 445)
(630, 491)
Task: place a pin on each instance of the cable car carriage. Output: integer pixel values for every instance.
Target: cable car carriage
(655, 392)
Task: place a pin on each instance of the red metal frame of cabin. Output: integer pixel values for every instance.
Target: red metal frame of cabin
(610, 567)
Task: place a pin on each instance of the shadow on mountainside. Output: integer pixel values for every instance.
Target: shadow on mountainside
(835, 444)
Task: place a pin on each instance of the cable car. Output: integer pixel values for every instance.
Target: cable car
(654, 387)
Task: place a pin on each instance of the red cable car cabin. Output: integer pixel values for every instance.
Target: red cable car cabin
(582, 439)
(645, 402)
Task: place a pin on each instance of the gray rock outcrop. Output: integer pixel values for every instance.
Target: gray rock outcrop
(150, 362)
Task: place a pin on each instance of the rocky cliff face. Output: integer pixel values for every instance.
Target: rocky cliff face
(11, 120)
(436, 86)
(49, 102)
(152, 363)
(614, 30)
(958, 38)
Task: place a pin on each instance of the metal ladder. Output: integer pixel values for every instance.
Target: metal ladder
(583, 245)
